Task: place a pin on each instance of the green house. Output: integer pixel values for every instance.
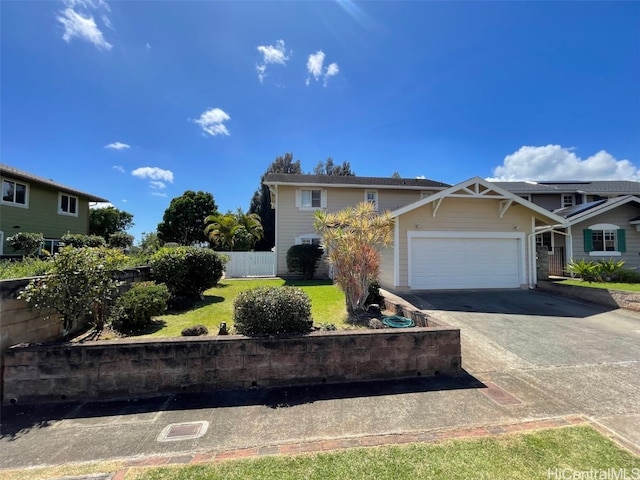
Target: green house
(30, 203)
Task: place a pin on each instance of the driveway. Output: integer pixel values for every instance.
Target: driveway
(581, 356)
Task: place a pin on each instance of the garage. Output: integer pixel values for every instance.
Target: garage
(459, 260)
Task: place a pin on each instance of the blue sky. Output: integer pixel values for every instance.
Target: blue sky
(139, 101)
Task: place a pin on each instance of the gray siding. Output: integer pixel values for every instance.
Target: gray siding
(551, 201)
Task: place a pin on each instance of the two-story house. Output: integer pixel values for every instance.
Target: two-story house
(470, 235)
(30, 203)
(601, 219)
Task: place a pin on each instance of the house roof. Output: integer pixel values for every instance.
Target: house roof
(592, 209)
(596, 187)
(351, 181)
(13, 172)
(477, 187)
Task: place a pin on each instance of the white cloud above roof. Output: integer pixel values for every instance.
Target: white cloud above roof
(117, 146)
(212, 122)
(554, 162)
(78, 21)
(153, 173)
(271, 54)
(118, 168)
(316, 69)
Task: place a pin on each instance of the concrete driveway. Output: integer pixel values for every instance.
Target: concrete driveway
(583, 357)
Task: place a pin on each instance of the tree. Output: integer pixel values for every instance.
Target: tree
(261, 201)
(221, 230)
(252, 224)
(150, 242)
(120, 240)
(108, 220)
(328, 168)
(28, 243)
(183, 221)
(353, 238)
(395, 175)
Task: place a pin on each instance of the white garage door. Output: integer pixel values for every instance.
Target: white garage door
(446, 263)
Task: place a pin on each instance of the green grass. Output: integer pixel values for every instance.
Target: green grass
(327, 305)
(523, 456)
(628, 287)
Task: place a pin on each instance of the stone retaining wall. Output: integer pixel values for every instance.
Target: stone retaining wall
(20, 324)
(609, 298)
(126, 368)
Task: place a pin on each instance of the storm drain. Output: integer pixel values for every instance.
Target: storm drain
(183, 431)
(498, 395)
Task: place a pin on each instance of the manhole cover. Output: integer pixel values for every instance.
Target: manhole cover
(183, 431)
(498, 395)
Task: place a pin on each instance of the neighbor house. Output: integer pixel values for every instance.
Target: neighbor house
(470, 235)
(35, 204)
(601, 219)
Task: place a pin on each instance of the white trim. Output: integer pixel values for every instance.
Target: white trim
(602, 208)
(396, 252)
(605, 254)
(62, 212)
(302, 236)
(14, 204)
(311, 208)
(603, 226)
(519, 236)
(1, 242)
(356, 186)
(276, 207)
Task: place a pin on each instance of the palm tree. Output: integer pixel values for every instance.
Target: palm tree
(221, 229)
(252, 224)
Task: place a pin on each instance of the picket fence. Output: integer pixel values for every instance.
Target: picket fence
(250, 264)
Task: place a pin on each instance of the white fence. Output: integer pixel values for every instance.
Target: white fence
(250, 264)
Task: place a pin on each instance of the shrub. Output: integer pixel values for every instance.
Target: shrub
(271, 311)
(195, 331)
(120, 240)
(187, 271)
(27, 243)
(601, 271)
(81, 282)
(79, 240)
(133, 310)
(27, 267)
(304, 259)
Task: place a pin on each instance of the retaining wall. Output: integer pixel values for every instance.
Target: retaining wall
(609, 298)
(126, 368)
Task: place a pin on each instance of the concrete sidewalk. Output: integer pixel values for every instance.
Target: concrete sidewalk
(513, 395)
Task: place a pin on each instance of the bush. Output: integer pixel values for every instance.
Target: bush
(304, 259)
(187, 271)
(120, 240)
(27, 267)
(81, 282)
(195, 331)
(601, 271)
(27, 243)
(272, 311)
(133, 310)
(79, 240)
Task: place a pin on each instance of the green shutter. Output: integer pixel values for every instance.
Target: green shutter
(588, 240)
(622, 241)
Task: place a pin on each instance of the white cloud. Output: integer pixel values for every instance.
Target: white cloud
(157, 184)
(554, 162)
(212, 122)
(153, 173)
(159, 194)
(97, 205)
(78, 21)
(148, 46)
(421, 177)
(315, 68)
(118, 168)
(117, 146)
(271, 54)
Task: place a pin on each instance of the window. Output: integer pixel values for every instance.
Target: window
(604, 239)
(51, 245)
(371, 196)
(544, 240)
(67, 205)
(15, 193)
(308, 239)
(311, 198)
(567, 201)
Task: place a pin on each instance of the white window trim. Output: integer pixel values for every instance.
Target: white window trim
(1, 242)
(14, 204)
(323, 199)
(62, 212)
(573, 200)
(603, 227)
(376, 203)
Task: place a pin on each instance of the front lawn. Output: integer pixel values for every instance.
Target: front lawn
(327, 305)
(527, 456)
(628, 287)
